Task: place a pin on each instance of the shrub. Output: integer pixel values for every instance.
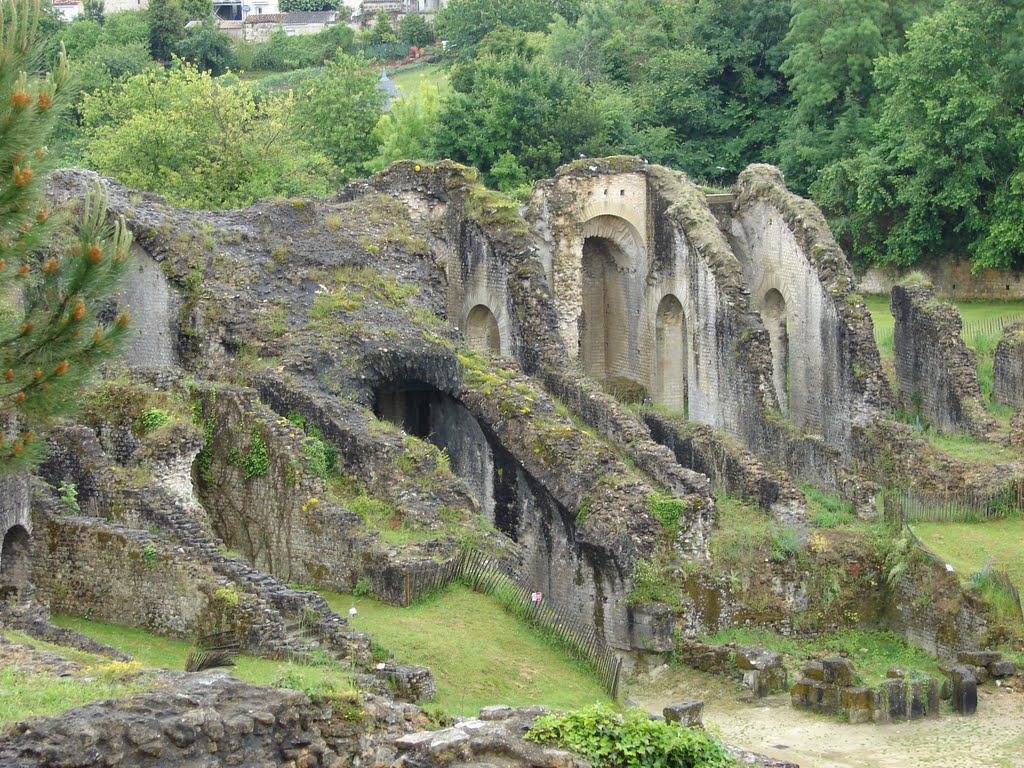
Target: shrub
(630, 740)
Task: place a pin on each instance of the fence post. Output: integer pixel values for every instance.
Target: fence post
(615, 678)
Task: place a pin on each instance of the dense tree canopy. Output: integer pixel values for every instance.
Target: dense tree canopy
(902, 118)
(199, 142)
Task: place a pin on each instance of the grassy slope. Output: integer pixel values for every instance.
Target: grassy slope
(968, 546)
(480, 655)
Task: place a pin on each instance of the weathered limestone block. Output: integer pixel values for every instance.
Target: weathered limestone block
(896, 699)
(1002, 668)
(965, 690)
(839, 670)
(688, 714)
(763, 671)
(978, 658)
(936, 373)
(859, 704)
(1008, 370)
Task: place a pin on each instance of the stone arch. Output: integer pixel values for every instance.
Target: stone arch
(15, 559)
(604, 322)
(482, 332)
(774, 317)
(671, 343)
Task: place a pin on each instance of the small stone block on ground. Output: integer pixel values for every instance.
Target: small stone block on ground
(688, 714)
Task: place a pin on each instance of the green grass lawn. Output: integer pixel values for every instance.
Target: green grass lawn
(158, 652)
(873, 652)
(969, 546)
(480, 654)
(411, 79)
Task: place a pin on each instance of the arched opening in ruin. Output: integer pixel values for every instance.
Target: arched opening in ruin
(773, 315)
(482, 334)
(671, 354)
(475, 456)
(15, 559)
(603, 323)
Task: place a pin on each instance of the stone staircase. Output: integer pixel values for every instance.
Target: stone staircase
(294, 622)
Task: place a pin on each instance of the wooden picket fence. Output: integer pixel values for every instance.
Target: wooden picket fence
(910, 507)
(490, 576)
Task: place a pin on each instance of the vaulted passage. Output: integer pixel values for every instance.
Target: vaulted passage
(604, 324)
(773, 315)
(482, 332)
(15, 560)
(671, 354)
(485, 467)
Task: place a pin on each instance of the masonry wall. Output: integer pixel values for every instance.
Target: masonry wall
(826, 368)
(951, 278)
(98, 570)
(154, 306)
(1008, 370)
(280, 520)
(935, 371)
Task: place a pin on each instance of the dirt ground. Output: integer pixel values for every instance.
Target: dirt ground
(994, 738)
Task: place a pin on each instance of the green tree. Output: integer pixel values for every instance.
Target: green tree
(465, 23)
(523, 105)
(166, 27)
(92, 9)
(49, 338)
(382, 31)
(833, 48)
(407, 131)
(207, 47)
(200, 142)
(413, 29)
(336, 113)
(942, 172)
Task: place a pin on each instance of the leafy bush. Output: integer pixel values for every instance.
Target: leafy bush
(630, 740)
(667, 510)
(152, 419)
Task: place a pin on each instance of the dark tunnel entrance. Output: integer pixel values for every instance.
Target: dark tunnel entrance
(489, 471)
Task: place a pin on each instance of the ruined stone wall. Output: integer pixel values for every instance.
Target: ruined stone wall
(936, 373)
(826, 367)
(279, 517)
(952, 278)
(154, 306)
(687, 330)
(107, 572)
(1008, 371)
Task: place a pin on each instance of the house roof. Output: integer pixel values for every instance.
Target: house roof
(265, 18)
(65, 3)
(311, 17)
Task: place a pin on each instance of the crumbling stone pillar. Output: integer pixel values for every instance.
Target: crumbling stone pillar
(936, 374)
(1008, 372)
(965, 690)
